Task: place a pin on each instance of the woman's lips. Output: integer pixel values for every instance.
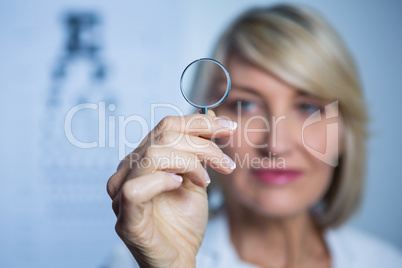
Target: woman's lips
(277, 176)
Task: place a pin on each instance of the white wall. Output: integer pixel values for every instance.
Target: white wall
(54, 208)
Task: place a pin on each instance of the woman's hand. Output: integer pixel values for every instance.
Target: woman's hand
(162, 216)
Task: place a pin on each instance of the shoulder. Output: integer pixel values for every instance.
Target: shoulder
(350, 245)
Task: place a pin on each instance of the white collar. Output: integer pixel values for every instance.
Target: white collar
(218, 250)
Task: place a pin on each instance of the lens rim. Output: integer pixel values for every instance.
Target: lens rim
(205, 107)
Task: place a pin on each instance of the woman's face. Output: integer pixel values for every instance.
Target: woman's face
(277, 174)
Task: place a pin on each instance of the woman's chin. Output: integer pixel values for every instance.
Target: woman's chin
(274, 207)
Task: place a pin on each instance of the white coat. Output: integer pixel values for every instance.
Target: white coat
(349, 248)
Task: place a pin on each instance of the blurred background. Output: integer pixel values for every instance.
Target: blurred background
(117, 58)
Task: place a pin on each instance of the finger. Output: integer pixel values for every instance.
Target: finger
(117, 179)
(209, 111)
(206, 126)
(135, 194)
(172, 161)
(206, 150)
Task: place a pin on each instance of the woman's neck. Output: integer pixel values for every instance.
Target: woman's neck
(277, 242)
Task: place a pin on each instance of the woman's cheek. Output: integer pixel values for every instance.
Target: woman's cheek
(315, 137)
(322, 140)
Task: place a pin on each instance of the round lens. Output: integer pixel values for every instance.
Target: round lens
(205, 83)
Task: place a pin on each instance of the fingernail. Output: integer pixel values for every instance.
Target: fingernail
(206, 176)
(177, 177)
(227, 124)
(229, 162)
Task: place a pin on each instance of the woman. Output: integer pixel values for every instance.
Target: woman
(286, 148)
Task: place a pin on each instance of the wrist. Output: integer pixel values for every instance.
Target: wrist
(187, 263)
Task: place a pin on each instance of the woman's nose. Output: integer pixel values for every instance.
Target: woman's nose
(280, 135)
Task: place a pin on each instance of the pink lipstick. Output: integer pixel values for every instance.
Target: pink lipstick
(277, 176)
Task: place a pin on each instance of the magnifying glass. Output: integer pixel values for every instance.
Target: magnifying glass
(205, 83)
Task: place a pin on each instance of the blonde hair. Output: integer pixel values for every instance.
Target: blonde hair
(298, 46)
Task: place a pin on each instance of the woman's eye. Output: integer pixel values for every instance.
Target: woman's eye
(247, 105)
(243, 106)
(308, 108)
